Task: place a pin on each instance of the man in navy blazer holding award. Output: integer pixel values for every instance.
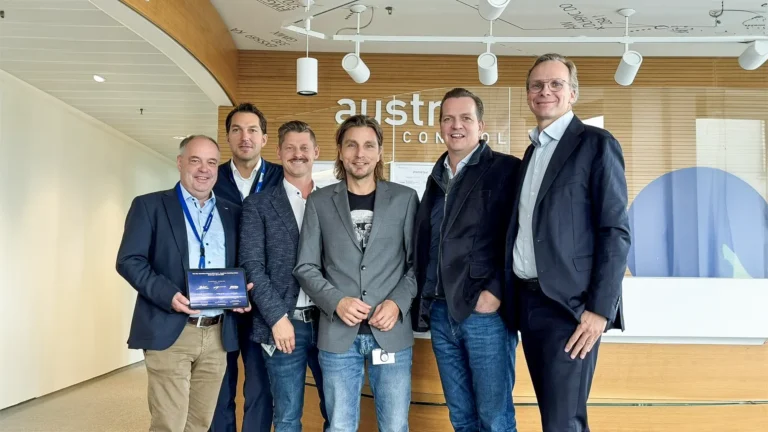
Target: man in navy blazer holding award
(166, 234)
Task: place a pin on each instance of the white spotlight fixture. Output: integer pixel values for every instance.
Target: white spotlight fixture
(754, 56)
(487, 68)
(631, 60)
(492, 9)
(352, 63)
(179, 137)
(99, 78)
(306, 71)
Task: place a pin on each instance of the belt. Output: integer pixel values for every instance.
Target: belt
(306, 314)
(527, 284)
(205, 321)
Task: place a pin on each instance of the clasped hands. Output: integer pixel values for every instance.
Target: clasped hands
(353, 311)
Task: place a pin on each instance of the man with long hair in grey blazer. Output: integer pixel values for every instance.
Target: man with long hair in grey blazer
(355, 262)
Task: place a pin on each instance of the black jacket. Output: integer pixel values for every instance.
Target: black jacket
(477, 211)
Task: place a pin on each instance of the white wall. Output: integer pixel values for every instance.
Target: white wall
(66, 182)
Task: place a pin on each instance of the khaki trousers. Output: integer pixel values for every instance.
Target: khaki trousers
(184, 380)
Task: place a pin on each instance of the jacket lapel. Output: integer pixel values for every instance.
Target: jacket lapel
(341, 201)
(520, 179)
(282, 206)
(178, 225)
(380, 206)
(471, 174)
(230, 234)
(568, 143)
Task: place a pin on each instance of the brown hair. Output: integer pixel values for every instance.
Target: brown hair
(297, 126)
(359, 120)
(460, 93)
(247, 107)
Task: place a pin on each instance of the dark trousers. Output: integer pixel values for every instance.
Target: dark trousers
(561, 384)
(257, 409)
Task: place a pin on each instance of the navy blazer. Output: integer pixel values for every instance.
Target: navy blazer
(269, 242)
(473, 233)
(154, 258)
(227, 188)
(580, 225)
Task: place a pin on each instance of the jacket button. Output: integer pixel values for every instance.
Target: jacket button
(365, 293)
(362, 268)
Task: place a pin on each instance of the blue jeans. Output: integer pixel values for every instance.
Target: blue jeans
(475, 359)
(343, 381)
(287, 375)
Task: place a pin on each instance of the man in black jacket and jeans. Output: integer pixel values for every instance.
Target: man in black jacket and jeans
(460, 231)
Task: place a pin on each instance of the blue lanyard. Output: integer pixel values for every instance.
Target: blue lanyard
(259, 184)
(207, 225)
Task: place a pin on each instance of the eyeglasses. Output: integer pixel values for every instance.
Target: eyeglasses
(555, 85)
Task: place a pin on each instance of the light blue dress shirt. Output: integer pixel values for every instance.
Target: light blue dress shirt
(214, 240)
(544, 144)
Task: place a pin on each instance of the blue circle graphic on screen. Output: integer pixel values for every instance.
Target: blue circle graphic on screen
(699, 222)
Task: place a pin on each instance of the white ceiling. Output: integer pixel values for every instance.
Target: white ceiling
(58, 45)
(256, 24)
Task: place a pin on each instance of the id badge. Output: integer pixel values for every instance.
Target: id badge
(379, 357)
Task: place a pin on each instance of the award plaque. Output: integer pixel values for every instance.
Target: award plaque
(217, 288)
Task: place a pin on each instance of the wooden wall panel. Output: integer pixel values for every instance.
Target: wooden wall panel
(197, 26)
(654, 119)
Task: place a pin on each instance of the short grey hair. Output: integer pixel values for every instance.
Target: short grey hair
(189, 138)
(573, 79)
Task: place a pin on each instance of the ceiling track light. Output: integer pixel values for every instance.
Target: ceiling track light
(306, 68)
(488, 65)
(352, 63)
(631, 60)
(757, 52)
(492, 9)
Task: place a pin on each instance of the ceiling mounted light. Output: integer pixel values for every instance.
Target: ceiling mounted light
(356, 68)
(352, 63)
(628, 67)
(99, 78)
(487, 68)
(754, 56)
(179, 137)
(492, 9)
(631, 60)
(306, 71)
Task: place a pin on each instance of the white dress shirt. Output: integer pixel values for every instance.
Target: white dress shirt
(544, 143)
(244, 184)
(298, 203)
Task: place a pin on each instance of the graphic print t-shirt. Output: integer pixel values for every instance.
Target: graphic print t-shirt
(361, 208)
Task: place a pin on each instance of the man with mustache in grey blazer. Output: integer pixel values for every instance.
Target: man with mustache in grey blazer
(355, 263)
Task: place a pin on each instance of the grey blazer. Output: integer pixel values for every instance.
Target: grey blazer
(331, 264)
(269, 241)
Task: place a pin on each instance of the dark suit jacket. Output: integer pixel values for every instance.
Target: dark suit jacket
(269, 243)
(473, 229)
(580, 225)
(227, 188)
(154, 258)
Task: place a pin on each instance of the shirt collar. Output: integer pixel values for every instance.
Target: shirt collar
(553, 132)
(188, 197)
(237, 173)
(293, 190)
(463, 162)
